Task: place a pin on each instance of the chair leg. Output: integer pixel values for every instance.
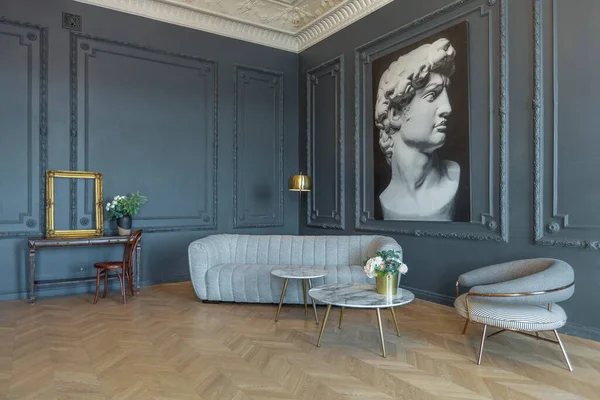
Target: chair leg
(97, 286)
(105, 283)
(122, 285)
(562, 348)
(130, 280)
(466, 327)
(482, 343)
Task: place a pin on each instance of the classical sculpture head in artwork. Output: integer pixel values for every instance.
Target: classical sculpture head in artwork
(411, 112)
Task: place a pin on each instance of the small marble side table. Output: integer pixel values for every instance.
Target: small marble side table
(357, 295)
(305, 274)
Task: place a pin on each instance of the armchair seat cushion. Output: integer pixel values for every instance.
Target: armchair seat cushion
(521, 317)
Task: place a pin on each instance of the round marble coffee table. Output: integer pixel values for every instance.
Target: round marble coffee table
(357, 295)
(305, 274)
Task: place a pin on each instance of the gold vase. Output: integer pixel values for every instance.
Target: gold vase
(387, 284)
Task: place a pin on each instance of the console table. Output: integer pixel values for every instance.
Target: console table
(41, 243)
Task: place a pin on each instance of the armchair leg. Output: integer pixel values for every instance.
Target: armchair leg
(482, 343)
(466, 327)
(564, 353)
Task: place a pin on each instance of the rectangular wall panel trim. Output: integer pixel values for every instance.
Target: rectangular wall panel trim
(84, 49)
(334, 218)
(551, 228)
(258, 204)
(34, 38)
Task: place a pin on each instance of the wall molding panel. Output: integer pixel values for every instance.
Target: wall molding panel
(85, 50)
(34, 38)
(489, 224)
(550, 228)
(258, 199)
(333, 71)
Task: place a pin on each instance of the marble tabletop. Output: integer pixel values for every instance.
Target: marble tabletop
(359, 295)
(299, 272)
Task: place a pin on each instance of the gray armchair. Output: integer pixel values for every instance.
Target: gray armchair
(517, 296)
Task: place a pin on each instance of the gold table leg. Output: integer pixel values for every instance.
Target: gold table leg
(281, 299)
(323, 326)
(395, 320)
(380, 331)
(304, 295)
(313, 303)
(341, 318)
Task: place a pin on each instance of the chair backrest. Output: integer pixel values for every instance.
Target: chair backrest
(130, 246)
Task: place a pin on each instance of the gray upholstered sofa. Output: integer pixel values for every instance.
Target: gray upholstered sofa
(238, 267)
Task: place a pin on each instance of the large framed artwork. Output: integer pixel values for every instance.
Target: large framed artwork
(431, 126)
(421, 129)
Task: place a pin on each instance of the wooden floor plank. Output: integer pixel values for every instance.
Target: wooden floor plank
(165, 344)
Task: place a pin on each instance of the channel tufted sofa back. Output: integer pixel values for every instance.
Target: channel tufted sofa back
(231, 267)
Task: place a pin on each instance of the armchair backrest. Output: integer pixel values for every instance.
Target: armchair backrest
(551, 280)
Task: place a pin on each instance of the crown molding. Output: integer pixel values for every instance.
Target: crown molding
(322, 27)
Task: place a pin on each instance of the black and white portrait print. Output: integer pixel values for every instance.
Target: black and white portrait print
(421, 130)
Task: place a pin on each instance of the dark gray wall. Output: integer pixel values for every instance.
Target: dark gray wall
(158, 108)
(533, 143)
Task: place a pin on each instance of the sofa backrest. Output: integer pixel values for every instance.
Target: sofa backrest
(302, 250)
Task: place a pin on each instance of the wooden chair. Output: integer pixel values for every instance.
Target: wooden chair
(124, 265)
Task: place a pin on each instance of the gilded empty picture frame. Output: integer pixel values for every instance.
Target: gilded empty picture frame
(97, 210)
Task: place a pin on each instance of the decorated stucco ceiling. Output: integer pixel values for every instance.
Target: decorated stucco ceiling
(286, 24)
(285, 15)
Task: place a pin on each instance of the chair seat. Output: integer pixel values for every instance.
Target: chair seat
(109, 264)
(521, 317)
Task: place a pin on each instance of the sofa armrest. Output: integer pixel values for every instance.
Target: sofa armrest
(380, 243)
(203, 254)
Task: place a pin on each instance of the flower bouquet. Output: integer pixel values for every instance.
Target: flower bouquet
(122, 208)
(386, 268)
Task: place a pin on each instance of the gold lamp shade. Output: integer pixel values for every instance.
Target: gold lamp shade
(300, 183)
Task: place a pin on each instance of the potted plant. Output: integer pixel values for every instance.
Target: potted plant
(122, 208)
(386, 268)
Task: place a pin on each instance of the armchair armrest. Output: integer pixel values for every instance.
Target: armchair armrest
(538, 297)
(203, 254)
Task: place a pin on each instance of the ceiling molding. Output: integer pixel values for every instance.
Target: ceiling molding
(320, 28)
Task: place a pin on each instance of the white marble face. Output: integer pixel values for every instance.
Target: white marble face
(299, 272)
(359, 295)
(423, 122)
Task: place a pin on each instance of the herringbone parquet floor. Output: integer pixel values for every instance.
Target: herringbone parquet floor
(166, 345)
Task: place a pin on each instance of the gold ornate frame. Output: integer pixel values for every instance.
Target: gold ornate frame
(50, 231)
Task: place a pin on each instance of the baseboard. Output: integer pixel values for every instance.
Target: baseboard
(431, 296)
(585, 332)
(81, 288)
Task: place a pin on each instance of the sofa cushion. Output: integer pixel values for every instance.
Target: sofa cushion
(253, 283)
